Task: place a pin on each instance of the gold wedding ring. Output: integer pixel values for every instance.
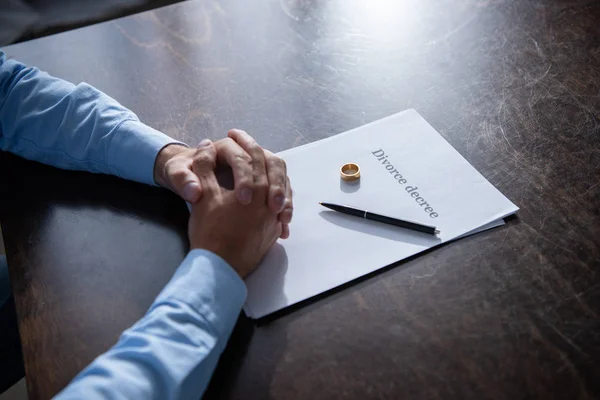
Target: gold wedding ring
(350, 172)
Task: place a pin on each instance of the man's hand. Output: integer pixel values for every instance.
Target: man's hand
(240, 234)
(280, 189)
(173, 170)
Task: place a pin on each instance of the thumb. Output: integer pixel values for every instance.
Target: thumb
(185, 183)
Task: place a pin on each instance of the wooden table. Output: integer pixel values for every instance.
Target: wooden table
(513, 85)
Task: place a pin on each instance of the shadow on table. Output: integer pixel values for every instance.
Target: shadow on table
(31, 190)
(231, 361)
(72, 238)
(251, 344)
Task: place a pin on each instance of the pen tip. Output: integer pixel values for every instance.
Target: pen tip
(437, 231)
(320, 203)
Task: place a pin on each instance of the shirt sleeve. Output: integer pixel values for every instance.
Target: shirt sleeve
(52, 121)
(172, 351)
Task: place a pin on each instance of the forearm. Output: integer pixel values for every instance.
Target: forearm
(172, 351)
(52, 121)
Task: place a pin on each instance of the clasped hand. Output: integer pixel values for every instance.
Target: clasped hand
(239, 225)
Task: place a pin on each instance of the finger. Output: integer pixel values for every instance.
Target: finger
(184, 182)
(241, 165)
(278, 231)
(286, 215)
(181, 178)
(203, 165)
(277, 175)
(285, 231)
(288, 209)
(210, 184)
(257, 154)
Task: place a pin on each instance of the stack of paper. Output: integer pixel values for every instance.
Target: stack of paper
(408, 171)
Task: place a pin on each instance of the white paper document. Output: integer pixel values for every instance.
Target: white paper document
(408, 171)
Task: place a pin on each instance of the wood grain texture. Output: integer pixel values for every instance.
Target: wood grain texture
(514, 86)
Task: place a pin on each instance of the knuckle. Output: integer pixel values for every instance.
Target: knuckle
(204, 159)
(220, 144)
(243, 160)
(262, 185)
(255, 150)
(204, 143)
(278, 166)
(178, 174)
(281, 181)
(234, 132)
(210, 149)
(272, 160)
(228, 140)
(276, 188)
(278, 183)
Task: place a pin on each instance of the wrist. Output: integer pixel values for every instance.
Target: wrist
(163, 156)
(222, 251)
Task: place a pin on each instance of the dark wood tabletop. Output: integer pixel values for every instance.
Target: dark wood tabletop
(514, 86)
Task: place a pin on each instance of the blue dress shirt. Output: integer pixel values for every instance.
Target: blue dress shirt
(172, 351)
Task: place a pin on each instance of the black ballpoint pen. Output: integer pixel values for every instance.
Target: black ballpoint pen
(382, 218)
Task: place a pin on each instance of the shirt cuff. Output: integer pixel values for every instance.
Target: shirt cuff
(133, 150)
(207, 283)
